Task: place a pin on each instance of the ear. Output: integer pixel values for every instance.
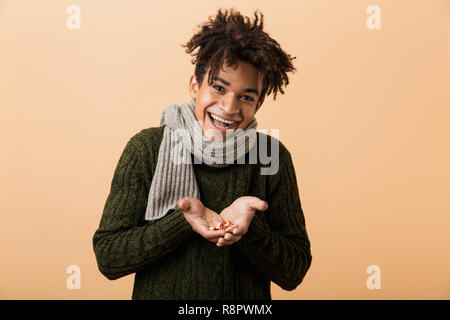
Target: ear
(193, 86)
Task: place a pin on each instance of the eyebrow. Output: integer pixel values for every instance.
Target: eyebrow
(251, 90)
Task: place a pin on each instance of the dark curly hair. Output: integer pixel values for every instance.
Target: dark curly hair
(230, 37)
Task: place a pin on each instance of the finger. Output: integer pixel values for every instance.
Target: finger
(226, 242)
(236, 230)
(230, 228)
(236, 238)
(215, 240)
(212, 235)
(259, 204)
(183, 204)
(239, 231)
(222, 242)
(230, 236)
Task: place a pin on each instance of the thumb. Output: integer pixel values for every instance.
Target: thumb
(260, 205)
(183, 204)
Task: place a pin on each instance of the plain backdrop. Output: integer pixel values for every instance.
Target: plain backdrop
(365, 118)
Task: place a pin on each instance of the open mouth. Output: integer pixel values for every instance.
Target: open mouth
(220, 123)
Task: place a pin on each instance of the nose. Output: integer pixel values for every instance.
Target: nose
(229, 105)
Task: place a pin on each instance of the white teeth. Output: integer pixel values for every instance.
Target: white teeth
(221, 120)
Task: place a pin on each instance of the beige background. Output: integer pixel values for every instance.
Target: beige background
(365, 118)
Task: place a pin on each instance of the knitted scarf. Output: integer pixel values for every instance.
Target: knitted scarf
(184, 141)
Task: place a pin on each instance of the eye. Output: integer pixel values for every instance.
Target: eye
(215, 87)
(249, 98)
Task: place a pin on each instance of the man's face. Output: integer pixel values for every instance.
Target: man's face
(230, 102)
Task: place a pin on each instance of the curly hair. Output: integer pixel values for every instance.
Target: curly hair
(231, 37)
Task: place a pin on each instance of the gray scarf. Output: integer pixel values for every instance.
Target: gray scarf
(174, 177)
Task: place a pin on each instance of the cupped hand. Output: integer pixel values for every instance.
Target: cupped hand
(240, 213)
(201, 218)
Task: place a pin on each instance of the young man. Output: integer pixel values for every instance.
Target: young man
(160, 216)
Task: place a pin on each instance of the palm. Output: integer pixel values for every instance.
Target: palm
(200, 217)
(242, 210)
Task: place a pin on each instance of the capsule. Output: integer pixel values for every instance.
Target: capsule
(221, 226)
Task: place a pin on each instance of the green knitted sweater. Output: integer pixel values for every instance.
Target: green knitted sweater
(171, 261)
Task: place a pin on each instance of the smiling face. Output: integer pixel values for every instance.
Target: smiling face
(230, 102)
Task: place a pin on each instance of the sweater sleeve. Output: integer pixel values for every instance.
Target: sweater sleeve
(277, 245)
(124, 242)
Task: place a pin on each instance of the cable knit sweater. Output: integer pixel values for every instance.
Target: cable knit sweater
(171, 261)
